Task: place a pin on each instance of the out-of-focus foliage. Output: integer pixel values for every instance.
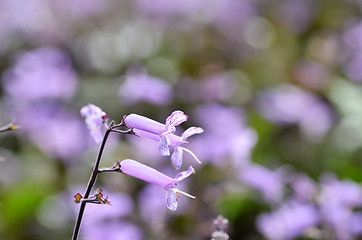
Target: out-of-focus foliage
(275, 84)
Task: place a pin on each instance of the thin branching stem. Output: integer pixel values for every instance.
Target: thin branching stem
(93, 178)
(90, 185)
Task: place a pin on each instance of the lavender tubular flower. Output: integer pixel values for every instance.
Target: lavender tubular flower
(164, 134)
(94, 118)
(148, 174)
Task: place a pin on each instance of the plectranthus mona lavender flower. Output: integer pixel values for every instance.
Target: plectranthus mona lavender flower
(94, 118)
(148, 174)
(221, 224)
(164, 133)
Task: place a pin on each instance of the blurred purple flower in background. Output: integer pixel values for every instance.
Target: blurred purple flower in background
(43, 73)
(352, 38)
(311, 74)
(120, 230)
(297, 15)
(94, 118)
(139, 86)
(108, 221)
(56, 132)
(148, 174)
(223, 14)
(218, 87)
(226, 135)
(304, 188)
(290, 105)
(269, 183)
(337, 201)
(291, 220)
(33, 19)
(296, 64)
(35, 85)
(81, 9)
(352, 67)
(152, 210)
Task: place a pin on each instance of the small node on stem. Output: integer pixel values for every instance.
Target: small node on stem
(78, 197)
(115, 168)
(96, 198)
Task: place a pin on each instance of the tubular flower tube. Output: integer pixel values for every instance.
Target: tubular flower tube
(94, 119)
(164, 134)
(148, 174)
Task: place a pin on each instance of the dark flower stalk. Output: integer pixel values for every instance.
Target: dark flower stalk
(95, 172)
(95, 119)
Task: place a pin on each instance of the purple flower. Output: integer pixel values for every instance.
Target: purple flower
(227, 136)
(311, 74)
(140, 86)
(115, 230)
(289, 221)
(57, 132)
(290, 105)
(223, 14)
(121, 206)
(218, 87)
(268, 182)
(353, 37)
(44, 73)
(352, 67)
(148, 174)
(337, 201)
(164, 134)
(152, 210)
(297, 15)
(94, 119)
(304, 188)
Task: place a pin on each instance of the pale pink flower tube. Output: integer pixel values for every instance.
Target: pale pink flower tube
(148, 174)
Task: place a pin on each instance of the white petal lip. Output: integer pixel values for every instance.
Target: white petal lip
(191, 131)
(171, 199)
(94, 117)
(91, 109)
(176, 157)
(163, 146)
(182, 175)
(176, 118)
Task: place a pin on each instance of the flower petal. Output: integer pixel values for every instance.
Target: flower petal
(92, 110)
(185, 174)
(97, 134)
(94, 118)
(176, 157)
(175, 119)
(191, 131)
(168, 129)
(163, 145)
(171, 199)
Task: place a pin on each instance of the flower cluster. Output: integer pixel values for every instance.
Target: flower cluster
(145, 127)
(164, 134)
